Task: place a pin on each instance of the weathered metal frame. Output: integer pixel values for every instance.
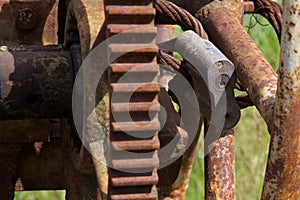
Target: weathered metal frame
(279, 110)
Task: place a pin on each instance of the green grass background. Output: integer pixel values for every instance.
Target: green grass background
(251, 138)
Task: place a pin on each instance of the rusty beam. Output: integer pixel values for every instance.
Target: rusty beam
(282, 180)
(252, 68)
(219, 168)
(36, 82)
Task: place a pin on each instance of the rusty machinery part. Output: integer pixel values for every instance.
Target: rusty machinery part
(175, 14)
(272, 11)
(241, 50)
(124, 16)
(29, 22)
(211, 71)
(31, 87)
(169, 61)
(167, 12)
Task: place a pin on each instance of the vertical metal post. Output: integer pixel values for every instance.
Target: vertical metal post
(282, 180)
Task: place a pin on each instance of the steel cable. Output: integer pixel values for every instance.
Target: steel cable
(272, 11)
(179, 16)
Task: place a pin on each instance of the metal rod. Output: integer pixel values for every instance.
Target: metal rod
(220, 169)
(36, 82)
(282, 180)
(253, 70)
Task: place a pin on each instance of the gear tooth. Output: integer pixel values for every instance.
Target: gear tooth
(135, 73)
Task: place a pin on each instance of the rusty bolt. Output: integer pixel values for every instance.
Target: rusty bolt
(27, 19)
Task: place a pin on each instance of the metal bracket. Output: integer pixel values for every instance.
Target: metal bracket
(212, 73)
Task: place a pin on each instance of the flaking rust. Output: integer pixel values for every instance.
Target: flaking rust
(219, 168)
(282, 179)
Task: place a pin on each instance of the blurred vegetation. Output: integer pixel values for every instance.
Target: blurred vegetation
(251, 136)
(40, 195)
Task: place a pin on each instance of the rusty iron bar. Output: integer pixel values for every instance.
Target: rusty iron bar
(36, 82)
(252, 68)
(282, 180)
(219, 168)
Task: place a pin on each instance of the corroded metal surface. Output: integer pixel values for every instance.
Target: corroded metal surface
(249, 7)
(85, 20)
(28, 22)
(26, 130)
(253, 70)
(84, 25)
(282, 179)
(35, 82)
(219, 168)
(143, 83)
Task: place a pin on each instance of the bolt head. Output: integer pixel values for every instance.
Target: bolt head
(27, 19)
(219, 65)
